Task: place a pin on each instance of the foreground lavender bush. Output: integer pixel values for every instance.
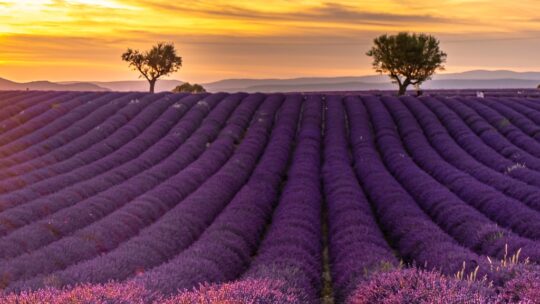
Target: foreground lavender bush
(524, 288)
(397, 287)
(401, 286)
(418, 286)
(245, 292)
(86, 294)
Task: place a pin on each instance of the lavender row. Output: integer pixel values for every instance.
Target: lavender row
(59, 117)
(49, 137)
(411, 232)
(521, 112)
(39, 115)
(36, 155)
(102, 156)
(71, 116)
(429, 179)
(122, 110)
(515, 119)
(127, 111)
(101, 153)
(504, 127)
(84, 192)
(225, 248)
(23, 102)
(489, 135)
(123, 224)
(175, 154)
(474, 157)
(525, 221)
(474, 146)
(46, 150)
(12, 97)
(456, 155)
(291, 250)
(530, 103)
(159, 241)
(357, 245)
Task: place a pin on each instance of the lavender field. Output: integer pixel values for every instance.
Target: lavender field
(269, 198)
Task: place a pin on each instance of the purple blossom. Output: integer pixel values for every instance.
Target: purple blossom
(422, 287)
(360, 197)
(245, 292)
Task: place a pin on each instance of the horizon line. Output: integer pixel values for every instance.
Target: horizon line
(260, 78)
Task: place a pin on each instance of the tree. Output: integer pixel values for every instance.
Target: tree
(161, 60)
(189, 88)
(409, 59)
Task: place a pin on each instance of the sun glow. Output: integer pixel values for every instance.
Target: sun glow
(102, 3)
(272, 38)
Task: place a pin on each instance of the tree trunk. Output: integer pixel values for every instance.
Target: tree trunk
(403, 86)
(402, 89)
(152, 85)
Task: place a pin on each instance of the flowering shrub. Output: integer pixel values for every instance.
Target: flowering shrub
(524, 288)
(242, 292)
(112, 293)
(418, 286)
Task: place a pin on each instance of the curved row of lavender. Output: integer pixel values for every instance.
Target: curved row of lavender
(269, 198)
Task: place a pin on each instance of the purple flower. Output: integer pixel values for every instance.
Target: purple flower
(246, 292)
(421, 287)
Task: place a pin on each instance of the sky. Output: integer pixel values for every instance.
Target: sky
(67, 40)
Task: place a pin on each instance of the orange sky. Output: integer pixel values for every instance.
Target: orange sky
(64, 40)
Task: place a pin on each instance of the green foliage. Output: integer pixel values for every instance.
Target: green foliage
(409, 59)
(189, 88)
(159, 61)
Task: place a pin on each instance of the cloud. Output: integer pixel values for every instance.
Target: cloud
(327, 12)
(253, 38)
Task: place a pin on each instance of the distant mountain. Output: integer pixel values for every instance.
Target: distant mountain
(363, 86)
(499, 79)
(489, 75)
(477, 79)
(48, 86)
(121, 86)
(310, 87)
(482, 83)
(242, 84)
(134, 85)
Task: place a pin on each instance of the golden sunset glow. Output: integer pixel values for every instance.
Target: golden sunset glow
(83, 39)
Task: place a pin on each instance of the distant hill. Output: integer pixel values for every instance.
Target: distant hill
(362, 86)
(477, 79)
(509, 83)
(121, 86)
(243, 84)
(309, 87)
(490, 75)
(49, 86)
(500, 79)
(135, 85)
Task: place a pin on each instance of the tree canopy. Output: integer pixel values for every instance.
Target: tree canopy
(189, 88)
(159, 61)
(409, 59)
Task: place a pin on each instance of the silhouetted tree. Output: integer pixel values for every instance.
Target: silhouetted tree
(189, 88)
(161, 60)
(538, 87)
(409, 59)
